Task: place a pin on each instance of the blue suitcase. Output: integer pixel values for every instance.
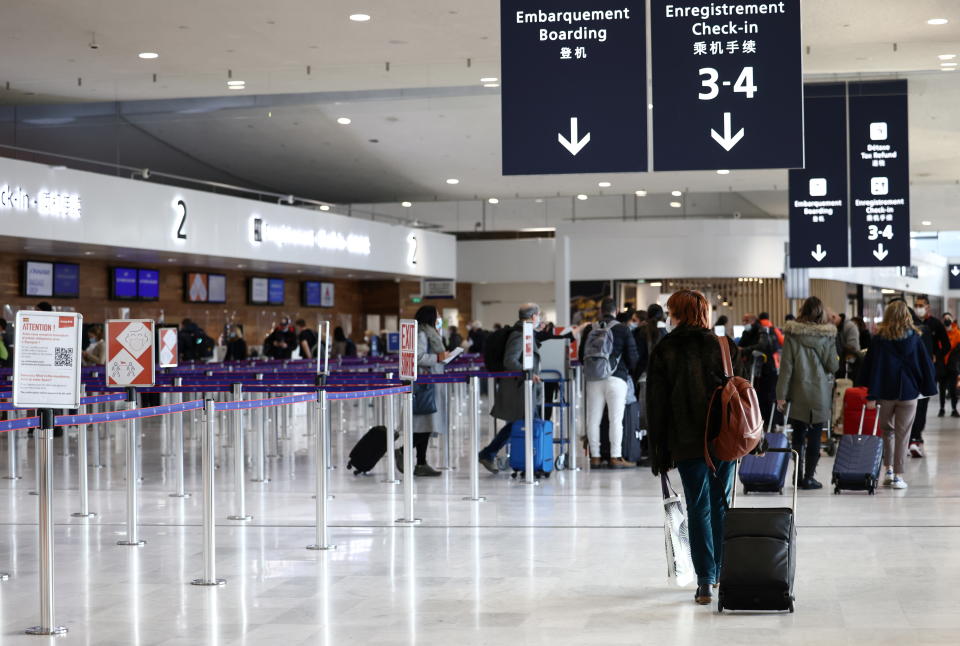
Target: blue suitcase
(858, 462)
(767, 473)
(542, 447)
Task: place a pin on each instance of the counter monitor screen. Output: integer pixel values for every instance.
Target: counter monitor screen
(123, 284)
(66, 280)
(312, 293)
(275, 291)
(148, 284)
(38, 279)
(259, 288)
(216, 288)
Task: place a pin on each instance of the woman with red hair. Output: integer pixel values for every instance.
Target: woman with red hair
(686, 367)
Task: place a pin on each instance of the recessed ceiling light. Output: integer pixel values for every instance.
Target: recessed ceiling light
(236, 83)
(406, 205)
(937, 21)
(240, 266)
(723, 172)
(453, 181)
(344, 121)
(148, 55)
(947, 57)
(171, 260)
(494, 200)
(87, 253)
(604, 184)
(657, 284)
(927, 223)
(491, 85)
(539, 200)
(948, 64)
(324, 207)
(359, 17)
(640, 193)
(948, 69)
(676, 193)
(676, 205)
(582, 197)
(489, 79)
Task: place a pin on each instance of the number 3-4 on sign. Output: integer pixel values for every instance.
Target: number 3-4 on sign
(744, 84)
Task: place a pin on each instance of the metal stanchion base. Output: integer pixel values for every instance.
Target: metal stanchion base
(322, 548)
(404, 521)
(390, 482)
(95, 466)
(13, 477)
(472, 499)
(211, 584)
(40, 630)
(4, 576)
(330, 496)
(178, 495)
(261, 481)
(166, 455)
(272, 456)
(33, 493)
(132, 543)
(247, 517)
(89, 515)
(535, 483)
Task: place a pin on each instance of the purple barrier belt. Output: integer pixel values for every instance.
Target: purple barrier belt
(19, 424)
(264, 403)
(360, 394)
(138, 413)
(83, 401)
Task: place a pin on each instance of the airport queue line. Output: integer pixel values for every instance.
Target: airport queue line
(265, 399)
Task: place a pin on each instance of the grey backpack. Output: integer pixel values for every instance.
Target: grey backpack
(597, 349)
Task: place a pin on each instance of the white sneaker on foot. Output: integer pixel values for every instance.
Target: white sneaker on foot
(898, 483)
(916, 449)
(888, 479)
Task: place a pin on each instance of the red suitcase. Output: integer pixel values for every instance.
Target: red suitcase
(854, 401)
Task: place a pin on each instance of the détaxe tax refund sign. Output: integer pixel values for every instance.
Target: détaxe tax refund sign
(46, 372)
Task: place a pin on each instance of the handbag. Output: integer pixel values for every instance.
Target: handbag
(424, 399)
(676, 535)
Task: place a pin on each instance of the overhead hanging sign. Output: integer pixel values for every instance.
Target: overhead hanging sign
(130, 356)
(169, 353)
(573, 91)
(954, 276)
(727, 85)
(819, 204)
(879, 174)
(46, 368)
(408, 350)
(438, 288)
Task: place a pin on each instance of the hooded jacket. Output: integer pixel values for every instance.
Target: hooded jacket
(685, 369)
(807, 364)
(899, 370)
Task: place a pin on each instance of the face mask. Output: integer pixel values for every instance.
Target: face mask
(668, 324)
(948, 323)
(921, 312)
(633, 325)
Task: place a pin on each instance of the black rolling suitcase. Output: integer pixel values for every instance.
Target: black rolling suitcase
(368, 451)
(631, 449)
(759, 556)
(859, 459)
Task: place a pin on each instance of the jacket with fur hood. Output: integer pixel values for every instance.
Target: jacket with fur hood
(685, 369)
(807, 365)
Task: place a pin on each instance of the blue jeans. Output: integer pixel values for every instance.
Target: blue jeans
(501, 439)
(705, 494)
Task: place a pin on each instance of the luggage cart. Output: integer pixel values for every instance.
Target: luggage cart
(562, 435)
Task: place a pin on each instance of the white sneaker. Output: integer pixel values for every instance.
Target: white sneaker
(898, 483)
(916, 450)
(888, 479)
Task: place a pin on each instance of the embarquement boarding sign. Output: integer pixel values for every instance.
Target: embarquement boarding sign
(169, 353)
(46, 369)
(727, 85)
(408, 350)
(130, 360)
(573, 92)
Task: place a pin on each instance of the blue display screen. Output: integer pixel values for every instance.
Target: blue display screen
(312, 293)
(124, 283)
(66, 280)
(148, 284)
(275, 291)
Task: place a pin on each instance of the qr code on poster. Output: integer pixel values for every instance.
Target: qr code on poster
(63, 357)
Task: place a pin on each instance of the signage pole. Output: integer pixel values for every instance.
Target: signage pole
(474, 448)
(238, 458)
(133, 476)
(45, 509)
(390, 403)
(318, 410)
(408, 450)
(178, 442)
(208, 456)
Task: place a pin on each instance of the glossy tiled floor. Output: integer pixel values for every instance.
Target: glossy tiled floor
(578, 560)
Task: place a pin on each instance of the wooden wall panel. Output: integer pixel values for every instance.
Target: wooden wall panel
(463, 302)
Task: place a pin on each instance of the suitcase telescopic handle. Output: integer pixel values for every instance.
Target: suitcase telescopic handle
(796, 479)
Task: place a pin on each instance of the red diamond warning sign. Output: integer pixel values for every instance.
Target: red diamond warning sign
(130, 360)
(168, 347)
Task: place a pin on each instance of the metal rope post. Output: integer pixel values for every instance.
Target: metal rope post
(45, 511)
(239, 484)
(133, 477)
(390, 402)
(259, 442)
(528, 475)
(164, 430)
(82, 468)
(574, 412)
(208, 454)
(408, 515)
(178, 443)
(12, 450)
(318, 410)
(474, 441)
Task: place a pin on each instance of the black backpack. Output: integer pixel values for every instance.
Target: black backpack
(494, 347)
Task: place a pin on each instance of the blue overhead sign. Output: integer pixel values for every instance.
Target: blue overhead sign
(879, 174)
(953, 276)
(727, 85)
(819, 204)
(573, 91)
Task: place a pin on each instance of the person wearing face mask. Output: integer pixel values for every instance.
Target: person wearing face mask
(281, 342)
(95, 354)
(236, 344)
(508, 400)
(948, 385)
(934, 337)
(613, 390)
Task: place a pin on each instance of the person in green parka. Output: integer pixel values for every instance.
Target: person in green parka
(807, 365)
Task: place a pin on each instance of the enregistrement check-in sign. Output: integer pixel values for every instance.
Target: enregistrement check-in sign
(46, 369)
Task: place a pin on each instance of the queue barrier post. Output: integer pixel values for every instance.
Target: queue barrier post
(82, 468)
(259, 441)
(474, 449)
(94, 461)
(208, 454)
(529, 477)
(164, 429)
(12, 450)
(576, 404)
(178, 443)
(236, 418)
(133, 477)
(390, 421)
(45, 511)
(408, 513)
(318, 410)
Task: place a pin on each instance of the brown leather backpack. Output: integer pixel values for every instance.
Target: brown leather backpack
(741, 424)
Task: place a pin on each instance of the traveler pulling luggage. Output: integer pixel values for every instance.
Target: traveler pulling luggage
(768, 472)
(859, 458)
(542, 448)
(760, 555)
(369, 450)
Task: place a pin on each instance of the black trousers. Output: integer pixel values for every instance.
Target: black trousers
(948, 387)
(806, 442)
(920, 421)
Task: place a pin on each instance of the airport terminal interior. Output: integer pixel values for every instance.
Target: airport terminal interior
(458, 322)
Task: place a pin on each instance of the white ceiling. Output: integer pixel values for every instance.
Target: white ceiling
(428, 114)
